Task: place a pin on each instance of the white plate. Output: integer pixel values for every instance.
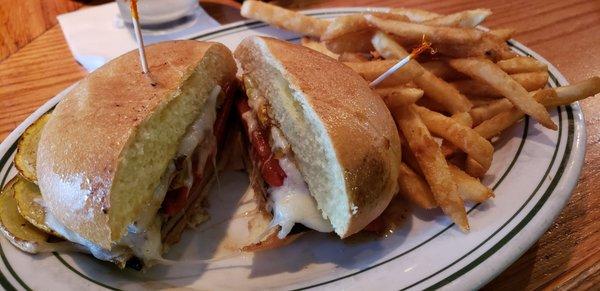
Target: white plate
(533, 174)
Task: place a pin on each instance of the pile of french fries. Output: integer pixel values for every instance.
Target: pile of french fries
(468, 92)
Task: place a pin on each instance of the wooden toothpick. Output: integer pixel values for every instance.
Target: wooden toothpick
(140, 40)
(425, 45)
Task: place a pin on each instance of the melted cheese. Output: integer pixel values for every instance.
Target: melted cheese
(293, 204)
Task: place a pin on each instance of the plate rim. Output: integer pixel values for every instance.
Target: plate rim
(566, 182)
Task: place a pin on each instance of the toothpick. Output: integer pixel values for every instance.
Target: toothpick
(416, 52)
(391, 70)
(140, 40)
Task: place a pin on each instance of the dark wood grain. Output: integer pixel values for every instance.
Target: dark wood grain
(565, 32)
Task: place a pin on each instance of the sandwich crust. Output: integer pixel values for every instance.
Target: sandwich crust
(84, 142)
(357, 124)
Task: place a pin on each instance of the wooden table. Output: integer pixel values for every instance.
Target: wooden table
(564, 32)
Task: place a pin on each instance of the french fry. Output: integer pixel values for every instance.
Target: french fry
(435, 34)
(532, 80)
(356, 42)
(391, 16)
(563, 95)
(479, 101)
(433, 164)
(284, 18)
(474, 169)
(431, 104)
(442, 92)
(343, 25)
(414, 188)
(414, 14)
(569, 94)
(466, 19)
(318, 46)
(485, 112)
(459, 135)
(399, 96)
(442, 70)
(485, 71)
(497, 106)
(522, 65)
(494, 126)
(511, 66)
(470, 189)
(490, 47)
(529, 81)
(434, 87)
(349, 33)
(463, 118)
(408, 156)
(371, 70)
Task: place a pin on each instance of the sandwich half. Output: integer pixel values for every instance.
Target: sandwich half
(323, 149)
(125, 158)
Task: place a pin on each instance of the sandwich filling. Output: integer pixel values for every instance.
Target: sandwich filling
(288, 195)
(177, 193)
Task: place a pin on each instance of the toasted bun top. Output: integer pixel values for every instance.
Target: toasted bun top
(343, 137)
(108, 142)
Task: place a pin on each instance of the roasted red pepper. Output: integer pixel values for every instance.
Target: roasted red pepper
(269, 166)
(175, 200)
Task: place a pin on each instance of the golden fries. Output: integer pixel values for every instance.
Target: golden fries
(343, 25)
(532, 80)
(459, 135)
(522, 65)
(495, 125)
(350, 33)
(434, 87)
(442, 70)
(466, 19)
(442, 92)
(529, 81)
(463, 118)
(485, 71)
(399, 96)
(391, 16)
(414, 188)
(284, 18)
(575, 92)
(469, 188)
(414, 14)
(371, 70)
(485, 112)
(433, 164)
(436, 34)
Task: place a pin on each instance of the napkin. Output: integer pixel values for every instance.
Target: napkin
(97, 34)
